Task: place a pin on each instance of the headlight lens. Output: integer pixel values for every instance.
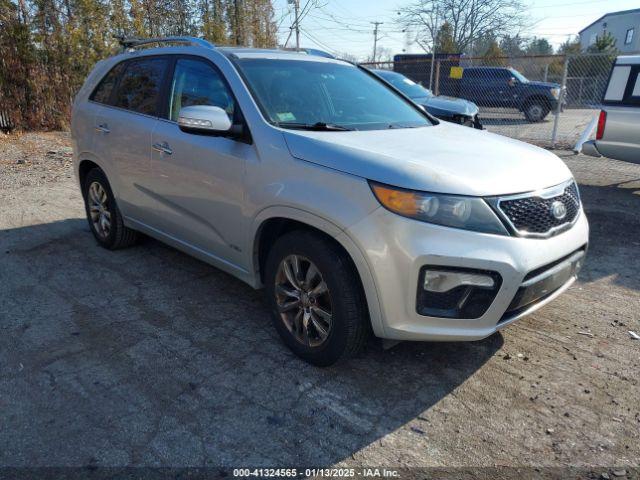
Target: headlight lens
(469, 213)
(555, 92)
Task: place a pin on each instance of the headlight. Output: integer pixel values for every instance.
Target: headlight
(469, 213)
(555, 92)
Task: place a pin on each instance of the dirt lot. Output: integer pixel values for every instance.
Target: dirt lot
(148, 357)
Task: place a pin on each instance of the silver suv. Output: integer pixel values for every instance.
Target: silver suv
(355, 209)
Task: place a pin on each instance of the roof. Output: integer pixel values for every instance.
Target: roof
(278, 54)
(273, 54)
(611, 14)
(628, 60)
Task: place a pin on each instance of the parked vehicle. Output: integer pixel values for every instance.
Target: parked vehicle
(500, 87)
(450, 109)
(618, 128)
(312, 178)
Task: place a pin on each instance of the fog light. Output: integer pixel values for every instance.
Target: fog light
(452, 292)
(442, 281)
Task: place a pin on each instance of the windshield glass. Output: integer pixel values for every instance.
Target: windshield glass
(296, 93)
(407, 86)
(521, 78)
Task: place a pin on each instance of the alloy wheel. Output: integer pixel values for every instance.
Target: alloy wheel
(303, 300)
(99, 209)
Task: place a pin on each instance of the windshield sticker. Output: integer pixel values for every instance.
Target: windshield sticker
(286, 117)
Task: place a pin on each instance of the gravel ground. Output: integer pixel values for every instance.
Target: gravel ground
(147, 357)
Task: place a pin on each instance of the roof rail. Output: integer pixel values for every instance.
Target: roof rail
(134, 42)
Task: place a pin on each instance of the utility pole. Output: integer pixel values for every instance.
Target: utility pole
(375, 38)
(296, 7)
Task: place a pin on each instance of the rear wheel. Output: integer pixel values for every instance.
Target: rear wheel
(316, 300)
(103, 214)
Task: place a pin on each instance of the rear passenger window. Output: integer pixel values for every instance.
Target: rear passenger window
(102, 93)
(140, 85)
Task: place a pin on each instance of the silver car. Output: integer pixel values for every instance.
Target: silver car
(618, 127)
(353, 208)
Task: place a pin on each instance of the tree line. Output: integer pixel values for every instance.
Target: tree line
(48, 46)
(482, 28)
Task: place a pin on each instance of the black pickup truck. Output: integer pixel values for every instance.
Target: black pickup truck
(498, 87)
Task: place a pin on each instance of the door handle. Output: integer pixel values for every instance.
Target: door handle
(102, 128)
(162, 148)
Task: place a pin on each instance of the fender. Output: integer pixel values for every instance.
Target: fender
(106, 168)
(340, 235)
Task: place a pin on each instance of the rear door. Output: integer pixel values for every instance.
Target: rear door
(123, 133)
(621, 137)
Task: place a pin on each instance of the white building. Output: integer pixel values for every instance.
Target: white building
(623, 25)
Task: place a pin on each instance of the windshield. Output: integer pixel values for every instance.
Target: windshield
(407, 86)
(299, 94)
(521, 78)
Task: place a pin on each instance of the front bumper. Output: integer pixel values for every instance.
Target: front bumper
(396, 248)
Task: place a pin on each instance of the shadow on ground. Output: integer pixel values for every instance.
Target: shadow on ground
(614, 241)
(148, 357)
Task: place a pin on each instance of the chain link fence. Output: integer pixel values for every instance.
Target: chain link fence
(546, 100)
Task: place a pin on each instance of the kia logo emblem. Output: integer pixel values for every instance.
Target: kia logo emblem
(558, 210)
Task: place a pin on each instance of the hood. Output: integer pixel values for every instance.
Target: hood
(449, 105)
(443, 158)
(541, 85)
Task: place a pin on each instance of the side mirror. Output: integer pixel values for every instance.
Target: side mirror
(512, 82)
(204, 119)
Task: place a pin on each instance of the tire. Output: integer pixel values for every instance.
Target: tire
(99, 202)
(348, 330)
(536, 111)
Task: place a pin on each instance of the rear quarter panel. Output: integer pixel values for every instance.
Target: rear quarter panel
(621, 139)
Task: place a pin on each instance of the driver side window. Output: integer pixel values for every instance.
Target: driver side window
(195, 82)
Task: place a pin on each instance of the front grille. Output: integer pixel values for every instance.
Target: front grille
(533, 215)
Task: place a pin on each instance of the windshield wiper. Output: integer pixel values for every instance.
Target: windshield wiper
(319, 126)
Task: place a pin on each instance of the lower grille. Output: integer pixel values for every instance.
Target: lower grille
(543, 213)
(543, 282)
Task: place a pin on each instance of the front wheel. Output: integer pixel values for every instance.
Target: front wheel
(316, 300)
(536, 111)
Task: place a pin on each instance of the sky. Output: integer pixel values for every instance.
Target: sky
(343, 26)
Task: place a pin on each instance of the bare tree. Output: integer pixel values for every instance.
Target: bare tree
(468, 20)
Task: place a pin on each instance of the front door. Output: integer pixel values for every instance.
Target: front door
(199, 179)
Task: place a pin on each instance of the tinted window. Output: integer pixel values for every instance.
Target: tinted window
(196, 82)
(298, 92)
(140, 85)
(102, 93)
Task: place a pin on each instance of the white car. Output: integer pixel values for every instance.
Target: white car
(355, 209)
